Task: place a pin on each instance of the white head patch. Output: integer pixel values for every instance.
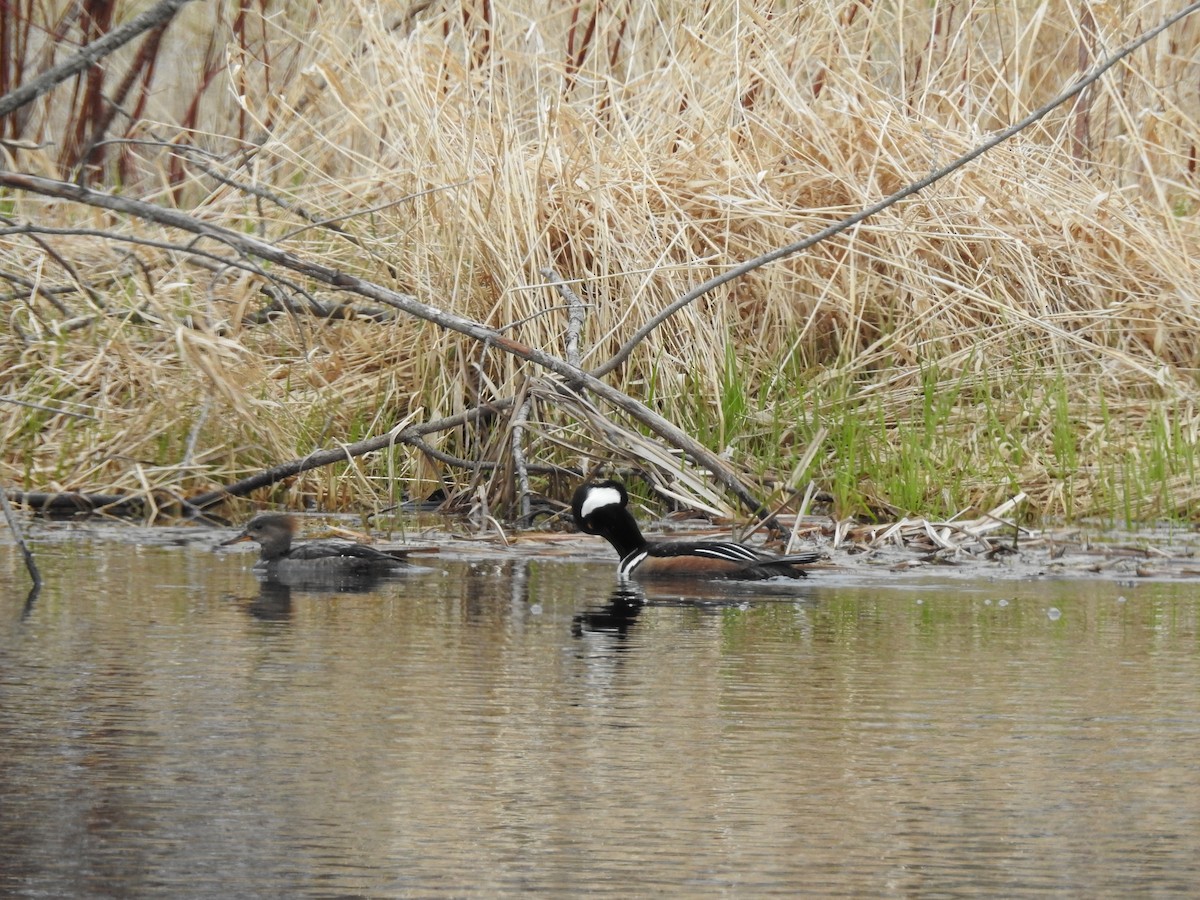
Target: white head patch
(599, 497)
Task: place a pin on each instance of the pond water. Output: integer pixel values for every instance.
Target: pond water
(514, 725)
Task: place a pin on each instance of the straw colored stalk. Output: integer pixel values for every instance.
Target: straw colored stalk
(462, 152)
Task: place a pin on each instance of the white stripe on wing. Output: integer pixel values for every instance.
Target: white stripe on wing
(629, 563)
(727, 550)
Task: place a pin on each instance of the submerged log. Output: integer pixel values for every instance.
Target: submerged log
(156, 505)
(70, 502)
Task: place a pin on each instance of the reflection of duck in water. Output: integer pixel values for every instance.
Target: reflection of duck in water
(273, 603)
(615, 617)
(602, 508)
(311, 561)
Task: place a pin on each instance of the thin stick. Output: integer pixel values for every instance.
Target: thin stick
(793, 538)
(519, 418)
(87, 57)
(327, 457)
(15, 527)
(50, 409)
(915, 187)
(576, 312)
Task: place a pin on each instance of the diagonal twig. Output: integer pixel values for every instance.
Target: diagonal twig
(88, 56)
(15, 527)
(915, 187)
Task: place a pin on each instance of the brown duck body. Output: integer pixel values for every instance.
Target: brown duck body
(316, 560)
(601, 508)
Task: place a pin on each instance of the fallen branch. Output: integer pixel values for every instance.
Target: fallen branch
(320, 458)
(64, 501)
(249, 246)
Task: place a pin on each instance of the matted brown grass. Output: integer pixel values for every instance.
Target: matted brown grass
(637, 150)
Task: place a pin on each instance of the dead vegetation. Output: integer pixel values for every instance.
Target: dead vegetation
(1027, 325)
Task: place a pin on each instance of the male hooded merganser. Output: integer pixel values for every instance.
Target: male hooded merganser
(601, 508)
(312, 559)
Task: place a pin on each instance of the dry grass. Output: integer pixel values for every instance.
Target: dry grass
(1046, 293)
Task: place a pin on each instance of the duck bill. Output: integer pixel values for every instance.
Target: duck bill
(235, 540)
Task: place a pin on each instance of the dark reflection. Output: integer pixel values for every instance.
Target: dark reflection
(31, 599)
(615, 617)
(274, 600)
(325, 582)
(273, 603)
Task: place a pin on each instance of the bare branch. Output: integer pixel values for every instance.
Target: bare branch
(406, 303)
(576, 312)
(519, 419)
(410, 435)
(88, 56)
(15, 527)
(915, 187)
(91, 293)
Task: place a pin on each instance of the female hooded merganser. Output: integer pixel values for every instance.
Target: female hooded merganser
(314, 560)
(601, 508)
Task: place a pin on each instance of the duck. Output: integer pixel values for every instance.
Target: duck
(310, 560)
(601, 508)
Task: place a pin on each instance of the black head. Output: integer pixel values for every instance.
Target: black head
(600, 507)
(594, 501)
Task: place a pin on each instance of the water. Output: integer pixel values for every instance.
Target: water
(501, 728)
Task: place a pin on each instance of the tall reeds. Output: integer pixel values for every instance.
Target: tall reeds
(1029, 322)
